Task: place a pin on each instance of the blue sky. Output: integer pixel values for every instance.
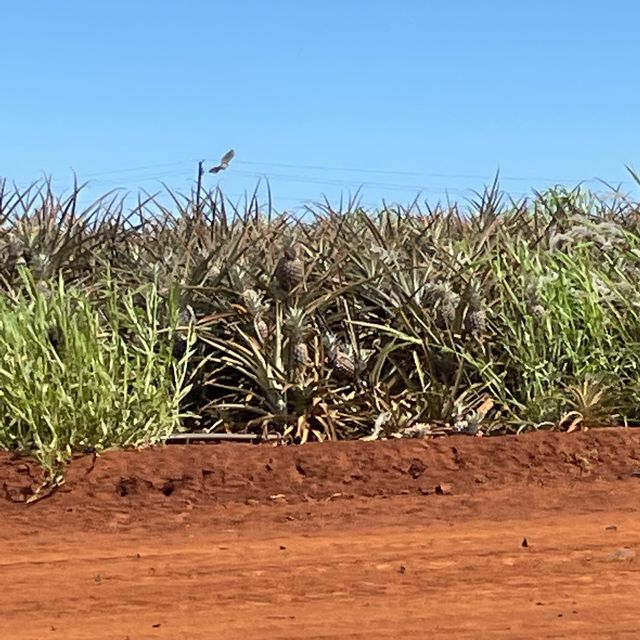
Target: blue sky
(399, 98)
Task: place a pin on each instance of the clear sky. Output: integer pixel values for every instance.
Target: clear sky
(321, 97)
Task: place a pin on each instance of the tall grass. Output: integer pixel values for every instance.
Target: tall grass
(77, 376)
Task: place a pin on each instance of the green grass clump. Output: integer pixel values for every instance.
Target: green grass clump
(87, 373)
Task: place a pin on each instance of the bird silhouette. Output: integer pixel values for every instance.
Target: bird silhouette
(224, 161)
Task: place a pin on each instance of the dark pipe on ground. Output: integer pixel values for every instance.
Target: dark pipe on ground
(251, 438)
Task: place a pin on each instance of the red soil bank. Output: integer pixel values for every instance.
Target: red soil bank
(509, 537)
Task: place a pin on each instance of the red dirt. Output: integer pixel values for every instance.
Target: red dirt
(339, 540)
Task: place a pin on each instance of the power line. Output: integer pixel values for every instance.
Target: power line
(462, 176)
(354, 184)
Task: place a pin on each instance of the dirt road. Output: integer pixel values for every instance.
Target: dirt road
(343, 540)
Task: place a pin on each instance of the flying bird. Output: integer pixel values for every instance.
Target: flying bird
(224, 161)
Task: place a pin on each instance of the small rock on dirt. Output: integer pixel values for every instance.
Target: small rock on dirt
(621, 555)
(443, 489)
(417, 468)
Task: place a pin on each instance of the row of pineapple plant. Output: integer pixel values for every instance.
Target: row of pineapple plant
(482, 317)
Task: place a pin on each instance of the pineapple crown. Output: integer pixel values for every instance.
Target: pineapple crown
(296, 322)
(237, 275)
(290, 248)
(255, 302)
(440, 292)
(330, 340)
(290, 252)
(532, 293)
(475, 298)
(333, 345)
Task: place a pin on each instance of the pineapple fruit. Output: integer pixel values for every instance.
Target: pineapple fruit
(289, 272)
(342, 363)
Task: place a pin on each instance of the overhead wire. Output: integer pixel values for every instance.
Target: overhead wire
(428, 174)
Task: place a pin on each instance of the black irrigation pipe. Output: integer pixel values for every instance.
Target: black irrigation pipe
(188, 438)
